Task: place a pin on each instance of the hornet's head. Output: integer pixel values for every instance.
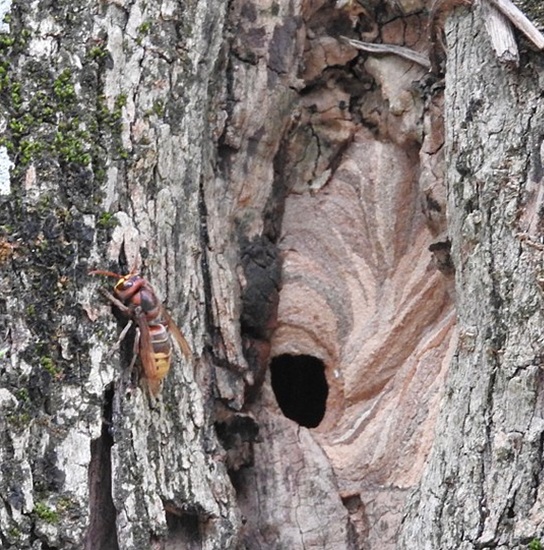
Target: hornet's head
(126, 286)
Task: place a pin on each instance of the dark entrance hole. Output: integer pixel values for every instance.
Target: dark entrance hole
(300, 387)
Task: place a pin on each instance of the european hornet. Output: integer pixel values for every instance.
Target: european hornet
(135, 298)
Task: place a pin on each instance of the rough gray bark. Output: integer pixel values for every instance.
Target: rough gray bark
(481, 487)
(106, 111)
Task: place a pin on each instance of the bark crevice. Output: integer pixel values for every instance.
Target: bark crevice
(102, 531)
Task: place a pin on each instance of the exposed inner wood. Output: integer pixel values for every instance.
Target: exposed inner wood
(361, 174)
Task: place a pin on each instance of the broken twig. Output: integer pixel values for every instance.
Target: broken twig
(520, 20)
(502, 35)
(406, 53)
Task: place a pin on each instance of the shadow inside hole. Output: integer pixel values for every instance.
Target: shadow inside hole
(300, 387)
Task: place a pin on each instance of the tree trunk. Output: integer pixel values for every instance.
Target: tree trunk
(285, 194)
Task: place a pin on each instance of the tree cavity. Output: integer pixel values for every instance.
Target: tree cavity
(300, 387)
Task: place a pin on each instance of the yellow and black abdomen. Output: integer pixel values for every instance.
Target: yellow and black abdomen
(162, 351)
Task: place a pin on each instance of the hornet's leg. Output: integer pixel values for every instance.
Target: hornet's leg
(117, 303)
(125, 311)
(126, 381)
(135, 350)
(121, 337)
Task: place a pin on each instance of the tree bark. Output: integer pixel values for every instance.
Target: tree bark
(285, 194)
